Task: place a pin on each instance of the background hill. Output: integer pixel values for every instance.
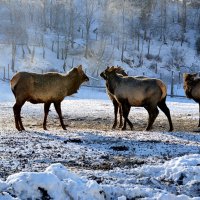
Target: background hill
(148, 37)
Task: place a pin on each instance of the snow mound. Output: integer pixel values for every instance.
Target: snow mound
(182, 170)
(58, 183)
(55, 183)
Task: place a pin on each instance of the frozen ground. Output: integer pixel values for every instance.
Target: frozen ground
(91, 161)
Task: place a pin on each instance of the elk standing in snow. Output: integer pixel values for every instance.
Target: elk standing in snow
(141, 92)
(45, 88)
(192, 88)
(116, 105)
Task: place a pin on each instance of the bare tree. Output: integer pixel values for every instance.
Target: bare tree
(183, 20)
(72, 22)
(145, 15)
(163, 20)
(89, 8)
(15, 31)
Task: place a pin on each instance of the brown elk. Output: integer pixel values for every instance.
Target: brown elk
(45, 88)
(116, 105)
(192, 88)
(141, 92)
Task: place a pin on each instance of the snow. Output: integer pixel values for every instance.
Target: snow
(82, 162)
(47, 164)
(59, 183)
(38, 164)
(56, 182)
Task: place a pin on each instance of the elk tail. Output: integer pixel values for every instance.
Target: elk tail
(163, 89)
(14, 83)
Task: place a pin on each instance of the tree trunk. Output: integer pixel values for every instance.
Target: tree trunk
(86, 43)
(23, 52)
(58, 47)
(149, 44)
(33, 54)
(71, 26)
(13, 56)
(184, 16)
(138, 42)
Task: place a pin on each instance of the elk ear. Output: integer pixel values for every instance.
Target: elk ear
(112, 68)
(79, 68)
(195, 74)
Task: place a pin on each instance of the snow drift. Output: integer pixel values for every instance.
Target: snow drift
(57, 182)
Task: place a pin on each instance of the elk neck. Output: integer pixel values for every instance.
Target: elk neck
(112, 82)
(72, 84)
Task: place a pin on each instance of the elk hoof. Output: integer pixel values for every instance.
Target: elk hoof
(20, 129)
(120, 126)
(123, 128)
(114, 126)
(64, 127)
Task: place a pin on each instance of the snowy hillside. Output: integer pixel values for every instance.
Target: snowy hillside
(152, 38)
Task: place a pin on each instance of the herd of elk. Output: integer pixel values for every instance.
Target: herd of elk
(123, 90)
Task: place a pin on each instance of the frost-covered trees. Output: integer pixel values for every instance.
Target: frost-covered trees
(117, 24)
(88, 11)
(69, 16)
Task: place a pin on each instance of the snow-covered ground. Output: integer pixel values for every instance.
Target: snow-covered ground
(89, 160)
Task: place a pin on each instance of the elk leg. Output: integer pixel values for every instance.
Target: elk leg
(162, 105)
(153, 113)
(58, 110)
(126, 109)
(20, 120)
(199, 115)
(115, 104)
(17, 114)
(46, 111)
(120, 114)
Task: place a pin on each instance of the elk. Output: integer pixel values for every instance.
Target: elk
(45, 88)
(140, 92)
(191, 85)
(116, 105)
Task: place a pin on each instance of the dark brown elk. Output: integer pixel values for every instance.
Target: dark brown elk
(116, 105)
(192, 88)
(45, 88)
(141, 92)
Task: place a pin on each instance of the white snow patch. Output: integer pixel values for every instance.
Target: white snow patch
(58, 183)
